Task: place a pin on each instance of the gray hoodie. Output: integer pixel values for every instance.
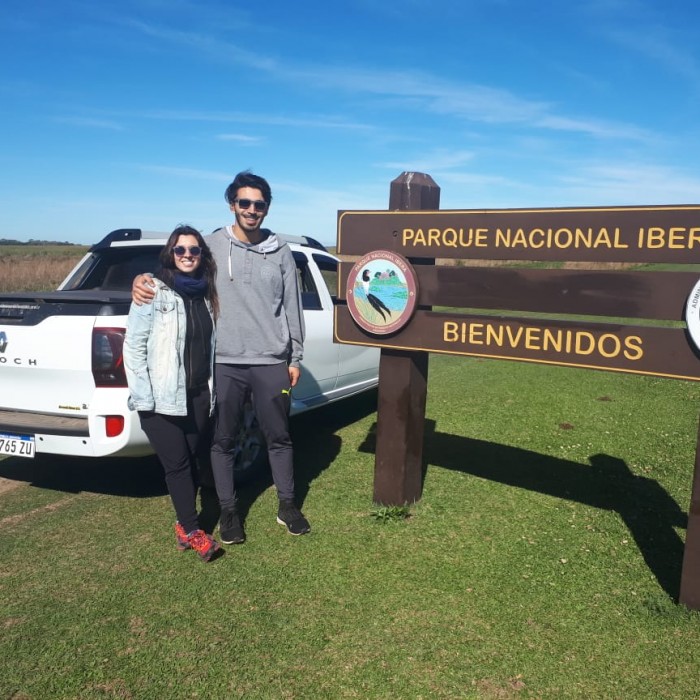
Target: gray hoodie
(260, 319)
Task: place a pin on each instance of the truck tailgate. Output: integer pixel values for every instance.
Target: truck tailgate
(47, 367)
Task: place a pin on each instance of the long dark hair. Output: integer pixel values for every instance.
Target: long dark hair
(206, 269)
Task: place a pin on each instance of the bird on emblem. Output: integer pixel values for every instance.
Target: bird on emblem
(375, 302)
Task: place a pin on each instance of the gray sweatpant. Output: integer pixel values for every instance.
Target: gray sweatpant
(271, 401)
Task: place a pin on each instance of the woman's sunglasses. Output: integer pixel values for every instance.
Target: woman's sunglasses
(194, 250)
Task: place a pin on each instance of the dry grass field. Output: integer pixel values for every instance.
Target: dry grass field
(36, 268)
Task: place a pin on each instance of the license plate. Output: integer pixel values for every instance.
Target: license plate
(16, 446)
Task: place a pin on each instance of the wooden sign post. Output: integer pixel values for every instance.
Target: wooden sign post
(588, 315)
(403, 384)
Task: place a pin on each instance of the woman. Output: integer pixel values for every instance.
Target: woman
(169, 360)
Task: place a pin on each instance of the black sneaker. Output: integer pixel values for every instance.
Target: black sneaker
(230, 527)
(291, 517)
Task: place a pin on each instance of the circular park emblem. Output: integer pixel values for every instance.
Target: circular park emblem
(382, 291)
(692, 315)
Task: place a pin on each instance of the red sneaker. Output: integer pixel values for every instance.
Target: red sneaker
(202, 543)
(181, 536)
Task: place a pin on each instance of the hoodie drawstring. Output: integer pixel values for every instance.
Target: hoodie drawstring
(230, 270)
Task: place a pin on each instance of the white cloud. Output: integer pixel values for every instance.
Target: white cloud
(421, 91)
(310, 121)
(206, 44)
(436, 162)
(598, 128)
(632, 184)
(243, 139)
(658, 45)
(185, 172)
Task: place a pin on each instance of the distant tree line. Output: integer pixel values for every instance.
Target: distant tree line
(32, 241)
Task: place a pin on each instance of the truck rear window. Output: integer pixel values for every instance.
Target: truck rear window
(114, 269)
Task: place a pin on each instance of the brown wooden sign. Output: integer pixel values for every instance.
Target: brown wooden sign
(661, 352)
(669, 234)
(623, 320)
(610, 336)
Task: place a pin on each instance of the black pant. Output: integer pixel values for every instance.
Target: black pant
(177, 440)
(272, 401)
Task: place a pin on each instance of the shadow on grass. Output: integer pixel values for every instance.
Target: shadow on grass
(315, 446)
(136, 477)
(644, 505)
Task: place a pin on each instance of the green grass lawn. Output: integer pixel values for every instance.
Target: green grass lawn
(543, 560)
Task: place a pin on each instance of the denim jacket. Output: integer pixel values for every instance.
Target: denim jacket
(154, 350)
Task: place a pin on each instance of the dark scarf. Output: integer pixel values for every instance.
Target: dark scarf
(193, 287)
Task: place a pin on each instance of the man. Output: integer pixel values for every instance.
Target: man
(259, 345)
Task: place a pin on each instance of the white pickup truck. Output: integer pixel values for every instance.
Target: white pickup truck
(62, 385)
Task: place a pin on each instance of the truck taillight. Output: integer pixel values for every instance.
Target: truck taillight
(114, 425)
(107, 357)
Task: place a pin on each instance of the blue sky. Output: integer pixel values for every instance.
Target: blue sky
(138, 113)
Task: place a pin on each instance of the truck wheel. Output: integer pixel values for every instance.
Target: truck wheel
(250, 454)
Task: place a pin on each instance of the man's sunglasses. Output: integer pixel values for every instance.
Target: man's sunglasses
(259, 204)
(194, 250)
